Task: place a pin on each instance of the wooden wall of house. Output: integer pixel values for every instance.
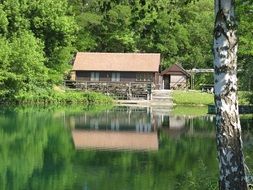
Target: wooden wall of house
(178, 81)
(107, 76)
(72, 75)
(128, 76)
(82, 76)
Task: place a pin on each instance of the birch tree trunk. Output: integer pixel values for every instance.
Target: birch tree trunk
(229, 142)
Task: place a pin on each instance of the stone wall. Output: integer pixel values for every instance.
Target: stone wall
(131, 90)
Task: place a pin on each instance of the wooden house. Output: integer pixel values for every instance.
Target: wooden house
(124, 75)
(175, 77)
(116, 67)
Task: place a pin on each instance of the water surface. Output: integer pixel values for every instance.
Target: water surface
(122, 148)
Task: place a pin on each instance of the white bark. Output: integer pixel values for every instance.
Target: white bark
(229, 143)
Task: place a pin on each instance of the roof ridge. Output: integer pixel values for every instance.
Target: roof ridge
(118, 53)
(105, 61)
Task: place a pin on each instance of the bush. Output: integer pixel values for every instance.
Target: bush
(58, 97)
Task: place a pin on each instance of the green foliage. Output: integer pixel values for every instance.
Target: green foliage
(198, 18)
(27, 63)
(38, 38)
(203, 179)
(31, 145)
(246, 97)
(22, 65)
(180, 31)
(37, 152)
(202, 78)
(3, 21)
(245, 51)
(64, 97)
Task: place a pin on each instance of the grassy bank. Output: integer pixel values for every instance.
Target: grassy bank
(182, 110)
(193, 97)
(59, 97)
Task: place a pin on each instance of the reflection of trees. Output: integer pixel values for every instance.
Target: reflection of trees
(34, 151)
(247, 134)
(163, 170)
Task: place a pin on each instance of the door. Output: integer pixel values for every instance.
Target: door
(166, 79)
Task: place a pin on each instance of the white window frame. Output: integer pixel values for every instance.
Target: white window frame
(144, 77)
(94, 76)
(115, 77)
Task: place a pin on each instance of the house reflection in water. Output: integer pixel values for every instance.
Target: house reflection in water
(117, 119)
(127, 128)
(115, 140)
(124, 128)
(174, 126)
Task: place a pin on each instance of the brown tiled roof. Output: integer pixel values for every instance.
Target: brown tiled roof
(142, 62)
(175, 69)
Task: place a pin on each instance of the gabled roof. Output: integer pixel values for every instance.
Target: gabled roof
(140, 62)
(175, 69)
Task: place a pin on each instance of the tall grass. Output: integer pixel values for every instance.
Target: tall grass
(59, 97)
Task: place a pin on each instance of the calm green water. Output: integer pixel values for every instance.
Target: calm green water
(45, 148)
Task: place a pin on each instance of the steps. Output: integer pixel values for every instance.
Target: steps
(161, 98)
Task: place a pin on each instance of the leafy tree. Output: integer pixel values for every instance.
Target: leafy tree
(245, 51)
(147, 26)
(36, 39)
(22, 65)
(198, 18)
(50, 21)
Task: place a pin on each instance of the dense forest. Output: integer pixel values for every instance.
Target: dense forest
(38, 39)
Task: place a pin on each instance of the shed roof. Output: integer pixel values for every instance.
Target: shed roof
(142, 62)
(175, 69)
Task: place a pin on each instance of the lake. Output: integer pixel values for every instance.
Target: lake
(118, 148)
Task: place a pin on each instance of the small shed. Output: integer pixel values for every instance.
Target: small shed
(175, 77)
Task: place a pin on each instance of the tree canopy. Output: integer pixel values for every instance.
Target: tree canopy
(36, 40)
(39, 39)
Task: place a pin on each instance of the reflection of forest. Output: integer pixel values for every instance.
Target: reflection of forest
(31, 150)
(132, 128)
(37, 153)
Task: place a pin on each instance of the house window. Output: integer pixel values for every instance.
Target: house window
(115, 77)
(143, 77)
(94, 76)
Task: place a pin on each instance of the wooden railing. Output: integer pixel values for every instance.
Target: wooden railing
(120, 90)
